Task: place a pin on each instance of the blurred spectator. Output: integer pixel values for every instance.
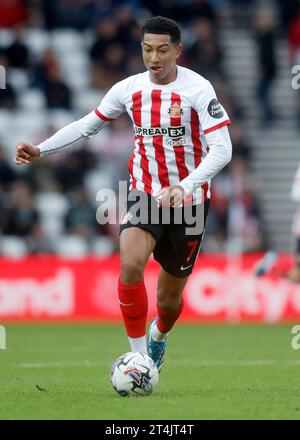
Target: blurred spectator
(8, 98)
(114, 58)
(235, 211)
(42, 67)
(267, 66)
(182, 11)
(108, 53)
(197, 8)
(38, 242)
(102, 77)
(288, 9)
(3, 209)
(41, 175)
(106, 34)
(135, 64)
(47, 75)
(57, 93)
(71, 172)
(229, 101)
(7, 174)
(239, 143)
(205, 55)
(128, 28)
(21, 215)
(50, 13)
(116, 152)
(217, 226)
(17, 53)
(165, 8)
(69, 13)
(244, 216)
(242, 12)
(81, 218)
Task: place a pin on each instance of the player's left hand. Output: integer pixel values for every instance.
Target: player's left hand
(173, 196)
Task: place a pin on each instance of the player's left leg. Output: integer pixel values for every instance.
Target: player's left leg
(177, 252)
(169, 308)
(169, 301)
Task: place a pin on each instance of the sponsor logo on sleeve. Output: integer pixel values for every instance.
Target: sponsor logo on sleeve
(214, 109)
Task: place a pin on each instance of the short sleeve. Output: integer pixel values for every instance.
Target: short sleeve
(211, 113)
(112, 105)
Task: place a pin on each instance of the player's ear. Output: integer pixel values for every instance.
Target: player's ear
(178, 49)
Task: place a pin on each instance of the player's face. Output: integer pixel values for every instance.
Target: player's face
(160, 55)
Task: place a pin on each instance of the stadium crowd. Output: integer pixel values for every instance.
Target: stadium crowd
(60, 58)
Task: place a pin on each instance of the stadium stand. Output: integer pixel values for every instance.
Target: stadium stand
(70, 60)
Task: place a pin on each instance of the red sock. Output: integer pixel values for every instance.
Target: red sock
(166, 320)
(135, 313)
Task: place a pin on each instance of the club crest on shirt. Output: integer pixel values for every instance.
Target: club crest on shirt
(175, 111)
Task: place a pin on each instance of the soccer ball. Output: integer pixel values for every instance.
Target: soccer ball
(134, 374)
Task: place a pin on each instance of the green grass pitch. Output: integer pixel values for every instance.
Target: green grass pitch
(210, 372)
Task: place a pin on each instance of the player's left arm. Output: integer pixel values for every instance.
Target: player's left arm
(214, 121)
(220, 153)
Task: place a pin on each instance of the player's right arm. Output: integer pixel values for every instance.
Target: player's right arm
(26, 153)
(110, 108)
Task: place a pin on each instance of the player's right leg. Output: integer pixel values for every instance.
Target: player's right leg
(136, 246)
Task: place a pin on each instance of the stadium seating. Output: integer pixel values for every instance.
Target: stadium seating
(102, 246)
(71, 246)
(13, 247)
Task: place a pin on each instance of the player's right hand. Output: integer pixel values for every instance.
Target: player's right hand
(26, 153)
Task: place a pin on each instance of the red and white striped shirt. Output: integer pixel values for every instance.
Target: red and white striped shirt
(180, 129)
(170, 123)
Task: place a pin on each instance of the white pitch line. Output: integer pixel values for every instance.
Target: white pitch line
(58, 364)
(247, 363)
(204, 363)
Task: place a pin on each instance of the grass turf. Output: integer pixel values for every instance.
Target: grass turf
(210, 372)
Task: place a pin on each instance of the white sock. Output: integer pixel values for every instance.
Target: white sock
(157, 335)
(138, 344)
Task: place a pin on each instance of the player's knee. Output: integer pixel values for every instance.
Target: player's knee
(132, 270)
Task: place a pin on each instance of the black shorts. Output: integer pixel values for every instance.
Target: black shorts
(178, 231)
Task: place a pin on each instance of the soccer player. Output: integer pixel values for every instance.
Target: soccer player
(181, 142)
(294, 273)
(267, 263)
